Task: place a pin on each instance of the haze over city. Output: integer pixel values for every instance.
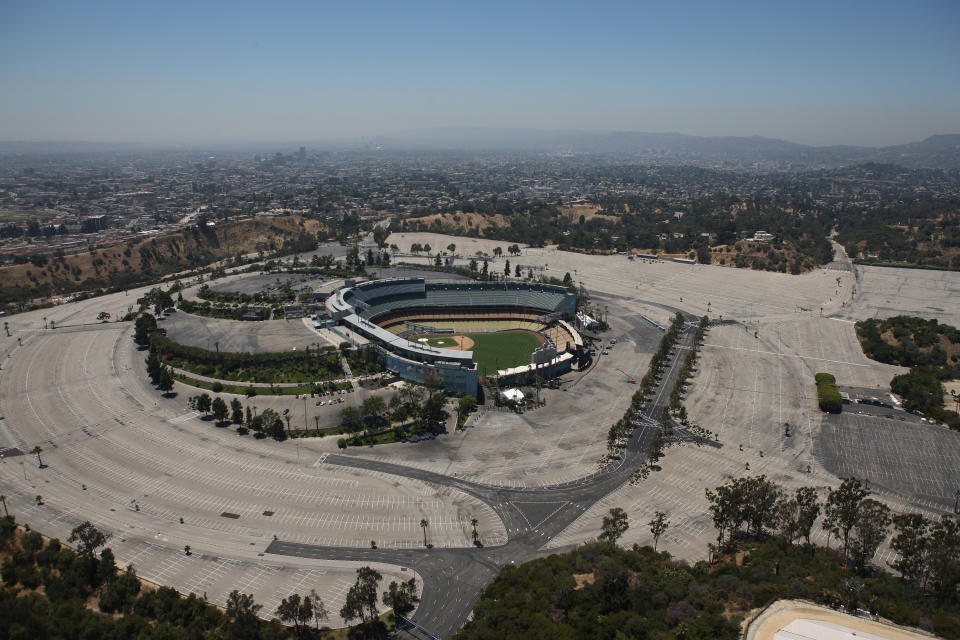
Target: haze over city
(818, 73)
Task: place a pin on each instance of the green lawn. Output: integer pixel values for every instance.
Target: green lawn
(492, 351)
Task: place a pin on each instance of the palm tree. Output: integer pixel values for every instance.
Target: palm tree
(36, 451)
(186, 550)
(3, 499)
(476, 535)
(423, 525)
(39, 500)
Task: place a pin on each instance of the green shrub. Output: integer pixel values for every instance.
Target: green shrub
(827, 394)
(342, 443)
(825, 378)
(217, 387)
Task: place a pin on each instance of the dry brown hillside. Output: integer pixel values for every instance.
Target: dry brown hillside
(138, 260)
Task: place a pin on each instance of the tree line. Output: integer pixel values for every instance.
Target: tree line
(920, 344)
(47, 587)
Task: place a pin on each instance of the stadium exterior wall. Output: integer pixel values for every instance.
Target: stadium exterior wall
(455, 378)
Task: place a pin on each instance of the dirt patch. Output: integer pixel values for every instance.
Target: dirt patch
(583, 579)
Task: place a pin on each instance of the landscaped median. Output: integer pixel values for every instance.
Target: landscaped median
(261, 389)
(827, 394)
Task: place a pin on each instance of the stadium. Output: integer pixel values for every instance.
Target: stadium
(454, 333)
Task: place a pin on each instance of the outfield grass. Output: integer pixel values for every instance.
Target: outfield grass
(492, 351)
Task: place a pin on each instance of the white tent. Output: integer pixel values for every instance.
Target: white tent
(512, 394)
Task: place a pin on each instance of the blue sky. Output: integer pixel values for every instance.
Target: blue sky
(844, 72)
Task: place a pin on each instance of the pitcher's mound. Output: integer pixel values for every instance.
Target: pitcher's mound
(463, 343)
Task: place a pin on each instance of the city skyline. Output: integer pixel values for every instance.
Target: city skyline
(871, 74)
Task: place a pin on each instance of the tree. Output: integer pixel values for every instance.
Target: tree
(656, 447)
(760, 499)
(242, 613)
(869, 531)
(165, 383)
(842, 509)
(911, 545)
(219, 408)
(361, 600)
(156, 298)
(431, 411)
(373, 409)
(37, 450)
(497, 252)
(473, 523)
(516, 271)
(203, 403)
(424, 523)
(319, 609)
(798, 514)
(658, 526)
(143, 326)
(297, 610)
(465, 406)
(350, 418)
(506, 268)
(88, 539)
(236, 411)
(103, 316)
(451, 247)
(399, 596)
(614, 525)
(943, 558)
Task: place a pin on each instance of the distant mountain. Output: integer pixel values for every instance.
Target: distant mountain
(939, 151)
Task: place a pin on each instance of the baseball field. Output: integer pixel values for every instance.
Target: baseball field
(491, 351)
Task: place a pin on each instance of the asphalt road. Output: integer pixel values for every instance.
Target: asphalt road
(454, 578)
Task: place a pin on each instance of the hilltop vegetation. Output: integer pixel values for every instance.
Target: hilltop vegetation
(600, 590)
(140, 261)
(712, 230)
(919, 234)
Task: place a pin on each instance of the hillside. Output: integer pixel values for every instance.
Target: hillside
(600, 590)
(798, 243)
(143, 260)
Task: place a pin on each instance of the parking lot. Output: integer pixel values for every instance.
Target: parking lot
(134, 462)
